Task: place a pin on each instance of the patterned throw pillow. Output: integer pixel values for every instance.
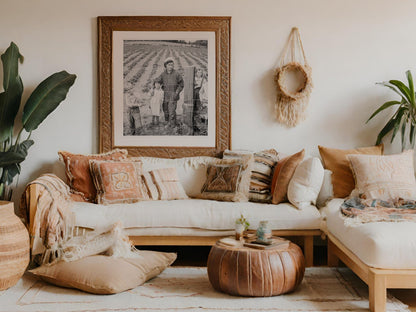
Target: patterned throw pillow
(118, 181)
(261, 173)
(336, 161)
(228, 179)
(283, 173)
(384, 177)
(77, 169)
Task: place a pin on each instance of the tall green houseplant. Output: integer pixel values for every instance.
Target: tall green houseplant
(404, 117)
(41, 102)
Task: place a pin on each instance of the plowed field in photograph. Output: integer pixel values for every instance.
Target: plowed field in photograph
(143, 63)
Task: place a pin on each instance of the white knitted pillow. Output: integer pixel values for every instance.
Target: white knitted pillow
(306, 183)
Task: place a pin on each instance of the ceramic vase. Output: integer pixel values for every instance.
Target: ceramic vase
(239, 230)
(14, 246)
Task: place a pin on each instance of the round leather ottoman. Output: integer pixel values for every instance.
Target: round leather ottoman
(246, 271)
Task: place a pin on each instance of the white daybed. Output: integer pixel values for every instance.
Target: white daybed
(382, 254)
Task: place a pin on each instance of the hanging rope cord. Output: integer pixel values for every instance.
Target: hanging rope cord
(293, 44)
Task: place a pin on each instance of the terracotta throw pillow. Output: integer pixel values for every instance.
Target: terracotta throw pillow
(118, 181)
(384, 177)
(336, 161)
(228, 179)
(106, 275)
(283, 172)
(77, 169)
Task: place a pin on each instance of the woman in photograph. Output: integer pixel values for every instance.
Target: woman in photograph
(200, 98)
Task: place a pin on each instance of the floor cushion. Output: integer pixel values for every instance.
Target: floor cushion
(106, 275)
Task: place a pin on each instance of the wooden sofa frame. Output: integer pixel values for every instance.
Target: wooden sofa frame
(378, 280)
(306, 236)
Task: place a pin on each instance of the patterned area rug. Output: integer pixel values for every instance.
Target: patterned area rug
(188, 289)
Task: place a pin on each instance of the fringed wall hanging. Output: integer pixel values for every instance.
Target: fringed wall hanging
(293, 81)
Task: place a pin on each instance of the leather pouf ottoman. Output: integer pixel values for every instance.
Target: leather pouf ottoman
(246, 271)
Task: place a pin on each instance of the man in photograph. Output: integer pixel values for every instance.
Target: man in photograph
(172, 83)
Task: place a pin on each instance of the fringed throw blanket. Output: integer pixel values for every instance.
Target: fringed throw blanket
(51, 227)
(359, 210)
(50, 221)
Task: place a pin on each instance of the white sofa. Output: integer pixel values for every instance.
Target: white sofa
(194, 221)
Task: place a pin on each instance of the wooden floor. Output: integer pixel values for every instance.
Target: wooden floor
(198, 255)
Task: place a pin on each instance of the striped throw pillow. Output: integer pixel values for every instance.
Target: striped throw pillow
(164, 184)
(261, 172)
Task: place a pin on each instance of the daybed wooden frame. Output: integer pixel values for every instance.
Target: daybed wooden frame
(378, 280)
(306, 236)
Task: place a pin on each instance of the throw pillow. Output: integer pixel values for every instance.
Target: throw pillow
(327, 192)
(77, 169)
(106, 275)
(282, 174)
(384, 177)
(164, 184)
(118, 181)
(261, 173)
(306, 183)
(228, 179)
(336, 161)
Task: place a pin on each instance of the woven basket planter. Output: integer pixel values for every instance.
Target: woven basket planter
(14, 246)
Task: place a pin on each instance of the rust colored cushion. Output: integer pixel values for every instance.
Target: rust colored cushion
(283, 172)
(106, 275)
(336, 160)
(228, 179)
(77, 169)
(118, 181)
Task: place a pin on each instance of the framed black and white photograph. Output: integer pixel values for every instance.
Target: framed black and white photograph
(164, 85)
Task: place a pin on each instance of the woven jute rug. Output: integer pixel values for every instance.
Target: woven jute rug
(188, 289)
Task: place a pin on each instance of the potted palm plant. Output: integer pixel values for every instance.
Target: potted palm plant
(404, 117)
(41, 102)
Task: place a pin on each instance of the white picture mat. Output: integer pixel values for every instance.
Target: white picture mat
(133, 140)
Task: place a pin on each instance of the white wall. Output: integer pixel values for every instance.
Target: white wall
(350, 45)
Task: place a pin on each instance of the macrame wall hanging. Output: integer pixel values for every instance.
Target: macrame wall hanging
(293, 81)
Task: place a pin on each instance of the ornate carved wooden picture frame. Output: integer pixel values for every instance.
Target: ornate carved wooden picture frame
(164, 85)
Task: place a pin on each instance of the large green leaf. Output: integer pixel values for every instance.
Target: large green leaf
(398, 120)
(403, 89)
(10, 160)
(393, 88)
(45, 98)
(9, 172)
(411, 88)
(13, 89)
(403, 136)
(10, 60)
(16, 154)
(383, 107)
(386, 129)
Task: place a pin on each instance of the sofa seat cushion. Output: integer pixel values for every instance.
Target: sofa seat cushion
(195, 213)
(384, 245)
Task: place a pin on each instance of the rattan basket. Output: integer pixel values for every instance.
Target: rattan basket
(14, 246)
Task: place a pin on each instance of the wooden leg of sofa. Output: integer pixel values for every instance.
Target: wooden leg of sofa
(377, 292)
(308, 250)
(333, 260)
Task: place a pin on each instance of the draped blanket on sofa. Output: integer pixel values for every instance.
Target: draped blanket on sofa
(359, 210)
